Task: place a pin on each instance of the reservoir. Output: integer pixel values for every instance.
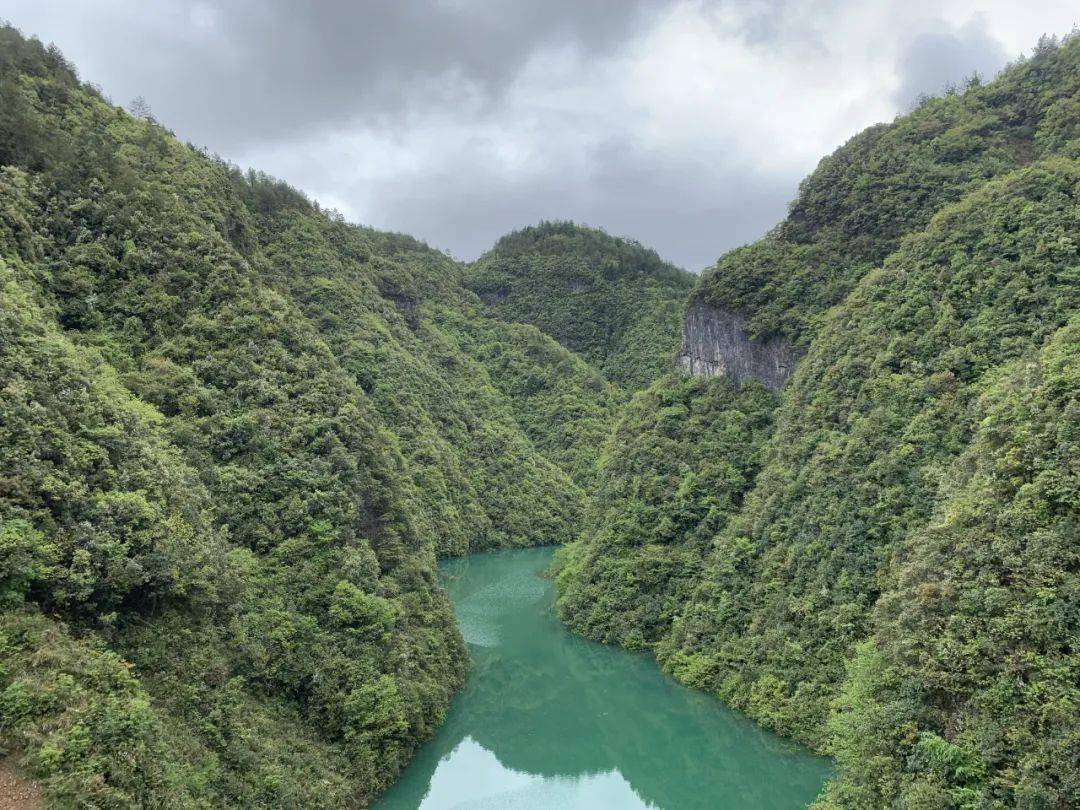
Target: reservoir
(548, 720)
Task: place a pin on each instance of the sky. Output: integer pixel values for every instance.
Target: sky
(684, 124)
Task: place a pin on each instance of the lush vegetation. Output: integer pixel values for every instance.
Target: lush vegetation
(673, 472)
(878, 410)
(889, 181)
(498, 424)
(611, 300)
(897, 583)
(236, 433)
(970, 676)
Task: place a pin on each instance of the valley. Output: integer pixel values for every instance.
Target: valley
(276, 490)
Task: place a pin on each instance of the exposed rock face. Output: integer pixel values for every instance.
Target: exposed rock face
(715, 345)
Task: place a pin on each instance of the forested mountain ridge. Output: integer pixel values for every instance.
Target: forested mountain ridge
(460, 390)
(616, 303)
(236, 433)
(924, 268)
(889, 181)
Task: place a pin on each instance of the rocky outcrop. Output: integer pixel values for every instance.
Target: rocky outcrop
(715, 344)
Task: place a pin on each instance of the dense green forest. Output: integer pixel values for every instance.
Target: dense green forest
(613, 301)
(675, 469)
(236, 433)
(889, 181)
(888, 567)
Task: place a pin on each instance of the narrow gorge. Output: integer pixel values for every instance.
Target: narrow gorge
(301, 513)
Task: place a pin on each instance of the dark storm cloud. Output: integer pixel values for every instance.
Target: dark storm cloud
(932, 60)
(228, 73)
(241, 76)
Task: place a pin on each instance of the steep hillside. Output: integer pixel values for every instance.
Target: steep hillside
(125, 544)
(877, 411)
(889, 181)
(499, 424)
(613, 301)
(236, 433)
(673, 472)
(920, 262)
(935, 705)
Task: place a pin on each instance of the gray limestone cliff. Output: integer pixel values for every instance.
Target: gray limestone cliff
(715, 344)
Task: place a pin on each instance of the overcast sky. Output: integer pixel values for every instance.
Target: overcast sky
(686, 124)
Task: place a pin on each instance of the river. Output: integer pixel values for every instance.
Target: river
(548, 720)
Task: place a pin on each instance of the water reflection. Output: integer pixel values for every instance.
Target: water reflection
(491, 784)
(548, 720)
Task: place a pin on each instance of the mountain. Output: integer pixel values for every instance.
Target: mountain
(884, 566)
(887, 182)
(236, 433)
(677, 465)
(973, 645)
(612, 301)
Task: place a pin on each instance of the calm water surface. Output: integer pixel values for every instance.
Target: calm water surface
(549, 721)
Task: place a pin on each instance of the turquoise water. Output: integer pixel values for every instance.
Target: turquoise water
(549, 720)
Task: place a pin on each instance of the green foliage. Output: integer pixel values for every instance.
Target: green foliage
(877, 411)
(564, 406)
(974, 646)
(889, 181)
(897, 584)
(26, 559)
(236, 432)
(98, 511)
(491, 417)
(77, 706)
(611, 300)
(673, 472)
(362, 613)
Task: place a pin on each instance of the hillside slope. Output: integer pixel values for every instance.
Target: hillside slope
(498, 423)
(975, 720)
(920, 261)
(675, 469)
(236, 434)
(889, 181)
(611, 300)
